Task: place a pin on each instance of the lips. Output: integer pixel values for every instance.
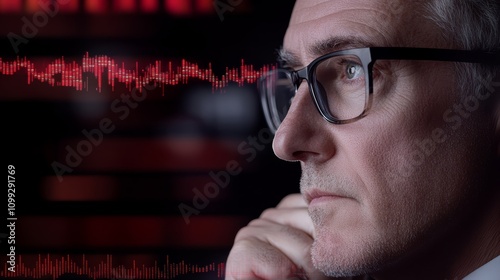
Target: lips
(319, 195)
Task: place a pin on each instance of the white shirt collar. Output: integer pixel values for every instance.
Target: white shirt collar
(489, 271)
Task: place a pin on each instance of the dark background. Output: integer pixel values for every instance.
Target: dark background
(123, 199)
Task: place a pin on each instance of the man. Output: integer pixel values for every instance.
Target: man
(398, 142)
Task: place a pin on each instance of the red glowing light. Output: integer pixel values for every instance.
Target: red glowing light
(178, 7)
(65, 73)
(149, 6)
(11, 5)
(174, 7)
(96, 6)
(204, 6)
(126, 6)
(38, 267)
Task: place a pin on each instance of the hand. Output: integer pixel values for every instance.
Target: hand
(277, 245)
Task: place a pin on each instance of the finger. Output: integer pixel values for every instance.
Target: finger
(293, 217)
(292, 242)
(292, 201)
(254, 259)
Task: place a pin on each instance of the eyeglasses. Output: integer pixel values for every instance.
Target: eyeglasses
(341, 83)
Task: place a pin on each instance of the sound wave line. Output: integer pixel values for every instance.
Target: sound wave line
(63, 73)
(54, 267)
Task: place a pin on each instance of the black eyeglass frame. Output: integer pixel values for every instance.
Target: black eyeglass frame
(368, 57)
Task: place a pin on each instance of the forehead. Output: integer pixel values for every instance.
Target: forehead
(377, 22)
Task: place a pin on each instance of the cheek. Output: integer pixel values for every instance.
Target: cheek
(406, 173)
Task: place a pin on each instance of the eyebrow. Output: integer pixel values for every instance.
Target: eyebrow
(291, 59)
(288, 59)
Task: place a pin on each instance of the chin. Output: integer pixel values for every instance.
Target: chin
(348, 255)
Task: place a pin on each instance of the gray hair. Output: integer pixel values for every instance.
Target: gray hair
(469, 25)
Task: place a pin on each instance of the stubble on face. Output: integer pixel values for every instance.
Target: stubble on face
(382, 222)
(347, 242)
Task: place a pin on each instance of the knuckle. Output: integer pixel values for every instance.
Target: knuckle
(269, 212)
(242, 234)
(253, 259)
(292, 196)
(252, 230)
(291, 199)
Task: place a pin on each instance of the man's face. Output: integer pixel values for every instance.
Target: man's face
(385, 183)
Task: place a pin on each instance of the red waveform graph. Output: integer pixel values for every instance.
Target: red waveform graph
(49, 267)
(73, 74)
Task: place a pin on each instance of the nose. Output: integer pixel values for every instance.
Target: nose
(304, 135)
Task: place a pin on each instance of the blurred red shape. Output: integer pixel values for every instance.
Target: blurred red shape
(96, 6)
(124, 6)
(178, 7)
(149, 6)
(127, 232)
(9, 6)
(79, 188)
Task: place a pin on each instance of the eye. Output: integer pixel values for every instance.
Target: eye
(353, 71)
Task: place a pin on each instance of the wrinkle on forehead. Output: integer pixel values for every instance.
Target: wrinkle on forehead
(306, 10)
(381, 22)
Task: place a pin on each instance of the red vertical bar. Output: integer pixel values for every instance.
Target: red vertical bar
(73, 74)
(159, 72)
(112, 74)
(82, 271)
(39, 266)
(155, 272)
(80, 82)
(99, 75)
(68, 263)
(21, 265)
(65, 83)
(108, 64)
(51, 81)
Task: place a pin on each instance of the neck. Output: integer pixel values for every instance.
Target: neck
(459, 250)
